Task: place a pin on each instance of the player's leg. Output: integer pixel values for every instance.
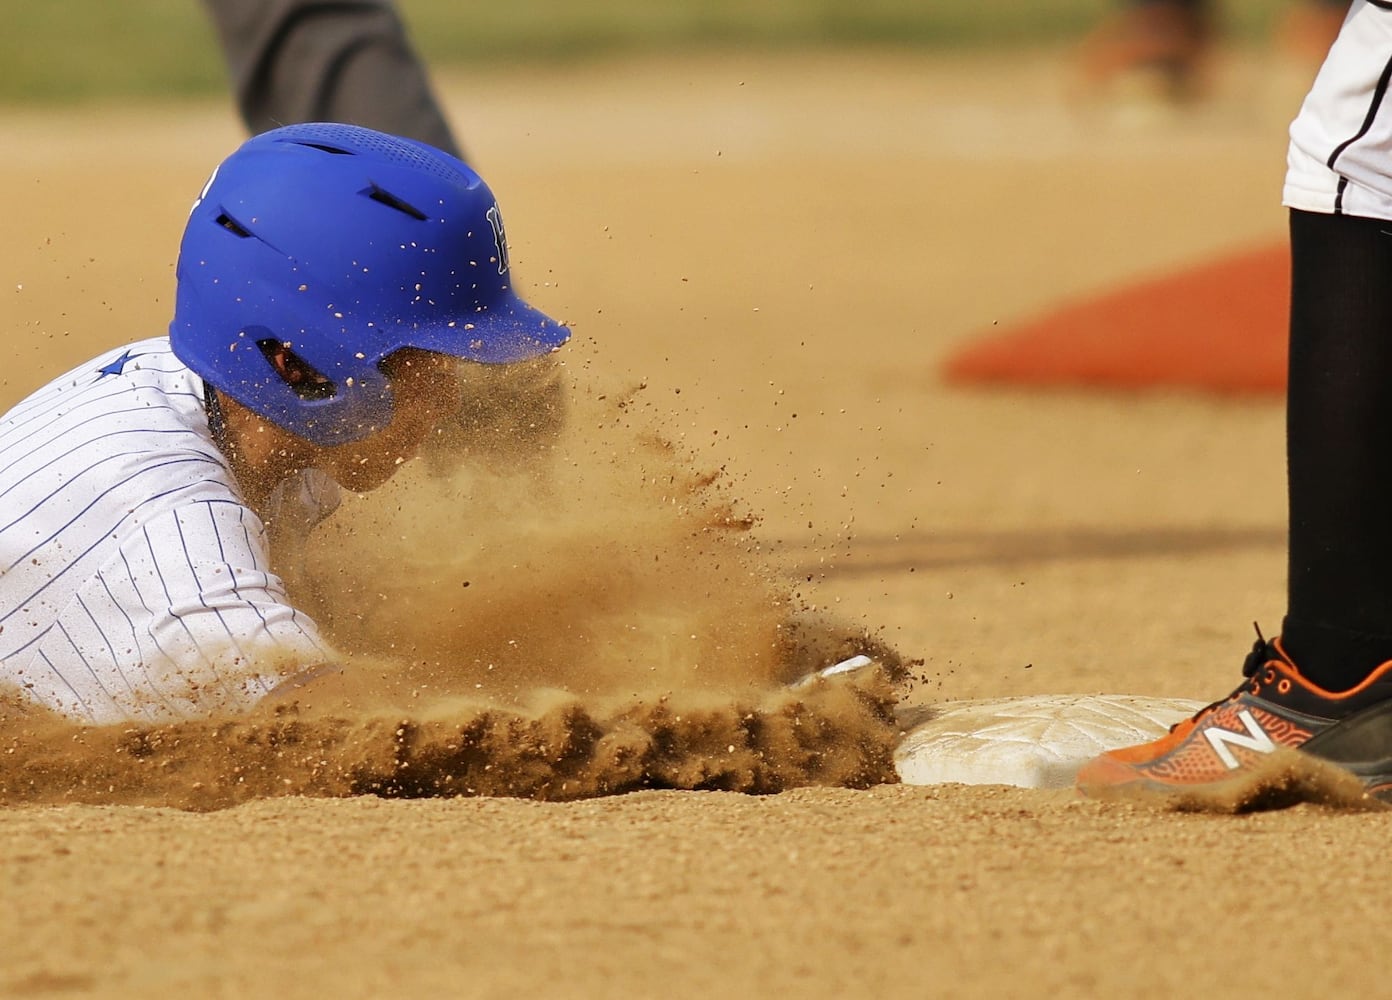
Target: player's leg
(1338, 625)
(1326, 686)
(314, 60)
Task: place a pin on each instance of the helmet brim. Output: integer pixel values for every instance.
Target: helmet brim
(509, 331)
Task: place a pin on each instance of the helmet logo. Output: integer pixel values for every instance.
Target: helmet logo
(495, 219)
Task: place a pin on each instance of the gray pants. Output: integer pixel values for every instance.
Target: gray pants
(327, 60)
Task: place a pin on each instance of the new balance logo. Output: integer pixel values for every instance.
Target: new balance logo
(1254, 739)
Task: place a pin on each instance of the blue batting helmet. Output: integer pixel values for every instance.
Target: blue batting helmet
(333, 246)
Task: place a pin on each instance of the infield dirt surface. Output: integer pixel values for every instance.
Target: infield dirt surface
(781, 251)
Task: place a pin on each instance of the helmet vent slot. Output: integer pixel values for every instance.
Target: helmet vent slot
(304, 379)
(384, 197)
(336, 151)
(232, 225)
(331, 137)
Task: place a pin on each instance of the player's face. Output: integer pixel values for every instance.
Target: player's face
(423, 386)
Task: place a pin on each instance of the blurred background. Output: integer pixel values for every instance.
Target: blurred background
(66, 50)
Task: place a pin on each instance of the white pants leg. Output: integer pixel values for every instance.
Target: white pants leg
(1340, 156)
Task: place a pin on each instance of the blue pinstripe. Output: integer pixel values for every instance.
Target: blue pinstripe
(119, 600)
(90, 548)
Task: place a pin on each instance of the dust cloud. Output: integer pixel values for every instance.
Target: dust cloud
(589, 557)
(550, 603)
(1280, 780)
(1284, 779)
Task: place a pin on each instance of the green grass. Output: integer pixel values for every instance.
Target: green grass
(66, 50)
(525, 28)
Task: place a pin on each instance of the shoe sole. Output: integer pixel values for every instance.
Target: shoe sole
(1361, 745)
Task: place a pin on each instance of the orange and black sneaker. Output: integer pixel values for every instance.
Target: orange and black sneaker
(1274, 709)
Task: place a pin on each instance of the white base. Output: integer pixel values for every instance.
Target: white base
(1033, 742)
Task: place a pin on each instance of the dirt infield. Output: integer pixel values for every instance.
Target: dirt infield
(782, 251)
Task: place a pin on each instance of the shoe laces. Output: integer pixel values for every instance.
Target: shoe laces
(1262, 653)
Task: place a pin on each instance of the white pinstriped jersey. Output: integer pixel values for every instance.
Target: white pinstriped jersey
(134, 580)
(1340, 156)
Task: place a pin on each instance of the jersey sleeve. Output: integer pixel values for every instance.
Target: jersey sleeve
(185, 621)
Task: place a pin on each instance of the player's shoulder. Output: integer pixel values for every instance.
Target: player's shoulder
(118, 380)
(133, 407)
(144, 363)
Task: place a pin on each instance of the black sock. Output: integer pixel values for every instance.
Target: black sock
(1339, 448)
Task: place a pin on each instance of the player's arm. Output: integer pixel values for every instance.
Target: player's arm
(195, 621)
